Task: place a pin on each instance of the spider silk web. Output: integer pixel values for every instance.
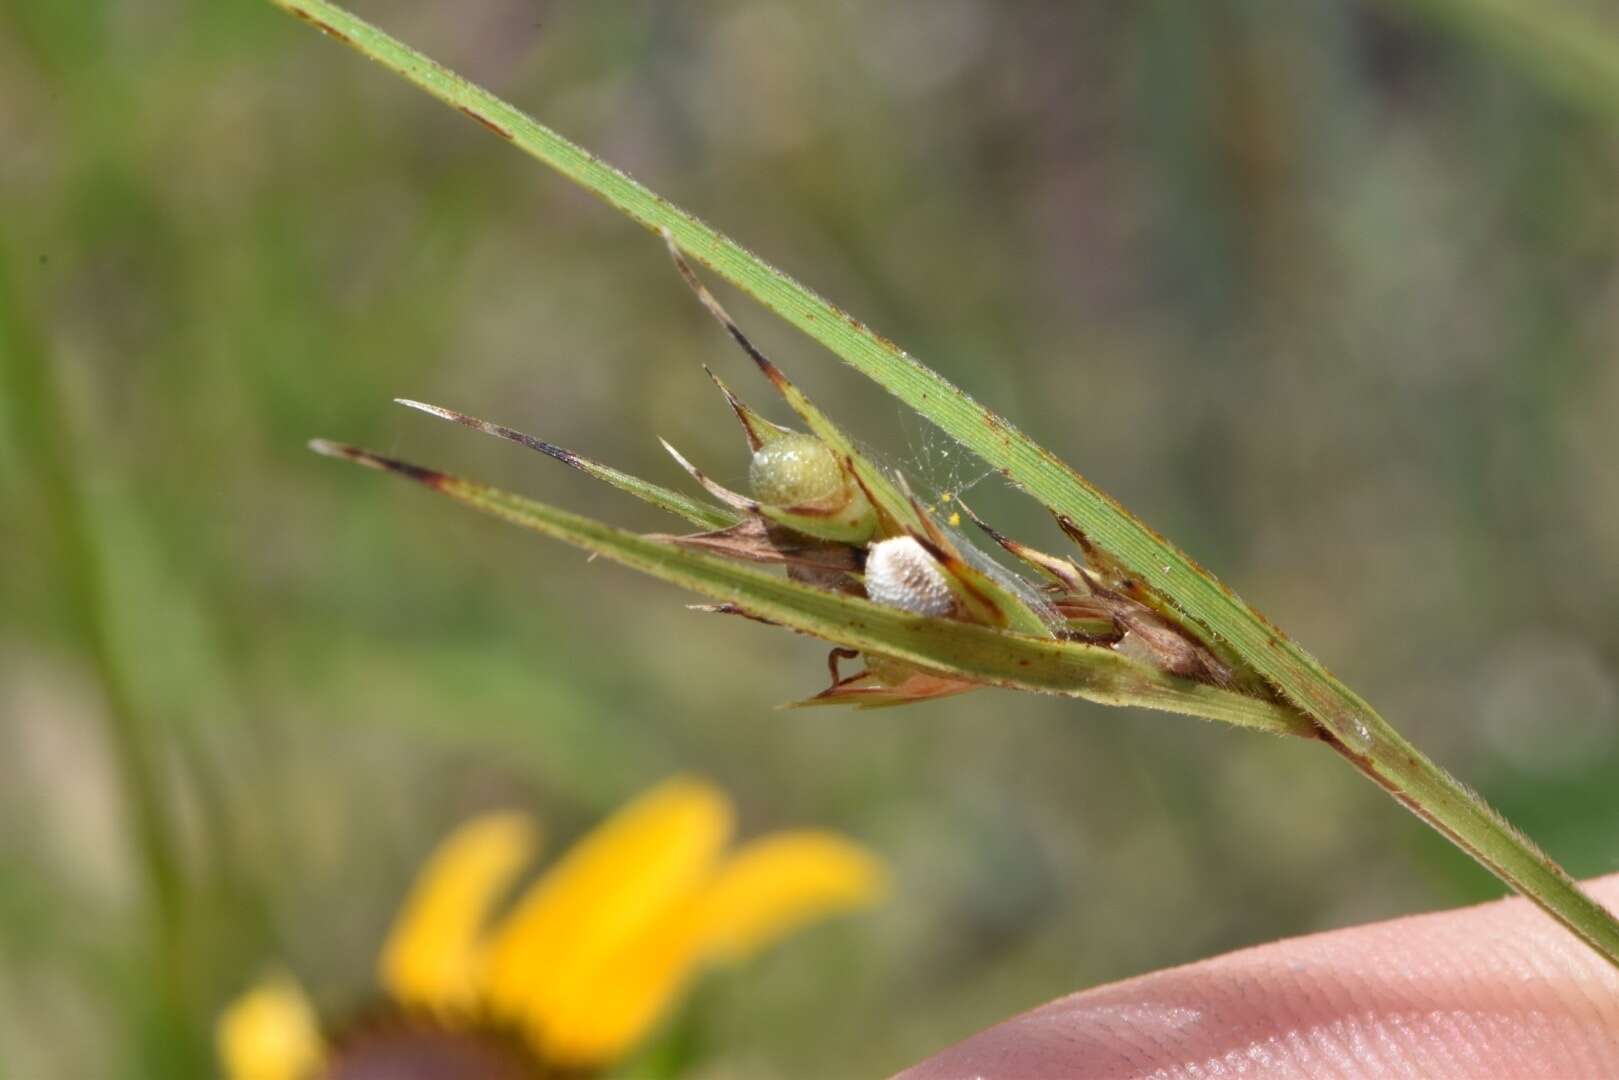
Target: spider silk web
(938, 468)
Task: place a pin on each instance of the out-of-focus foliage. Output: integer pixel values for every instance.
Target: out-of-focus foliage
(1306, 286)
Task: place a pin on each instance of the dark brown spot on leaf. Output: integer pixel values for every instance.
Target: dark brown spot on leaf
(323, 27)
(486, 122)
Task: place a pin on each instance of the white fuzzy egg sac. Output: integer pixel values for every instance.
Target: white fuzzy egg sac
(901, 574)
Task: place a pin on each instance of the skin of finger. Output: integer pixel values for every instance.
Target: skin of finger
(1497, 990)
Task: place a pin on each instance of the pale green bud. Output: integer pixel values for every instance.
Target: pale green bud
(800, 483)
(796, 470)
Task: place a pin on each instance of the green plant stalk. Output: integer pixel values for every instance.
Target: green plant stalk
(1347, 722)
(28, 385)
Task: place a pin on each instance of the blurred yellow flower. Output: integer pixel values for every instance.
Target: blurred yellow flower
(270, 1032)
(584, 963)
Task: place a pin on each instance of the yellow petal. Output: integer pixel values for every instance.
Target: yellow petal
(777, 884)
(614, 1005)
(609, 890)
(769, 888)
(433, 954)
(270, 1033)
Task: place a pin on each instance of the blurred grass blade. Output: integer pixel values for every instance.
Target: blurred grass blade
(698, 513)
(32, 397)
(1015, 661)
(1349, 723)
(1564, 51)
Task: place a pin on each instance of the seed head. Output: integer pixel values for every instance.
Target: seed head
(795, 470)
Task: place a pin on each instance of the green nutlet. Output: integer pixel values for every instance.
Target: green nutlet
(800, 482)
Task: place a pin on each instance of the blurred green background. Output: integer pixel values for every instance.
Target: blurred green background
(1327, 295)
